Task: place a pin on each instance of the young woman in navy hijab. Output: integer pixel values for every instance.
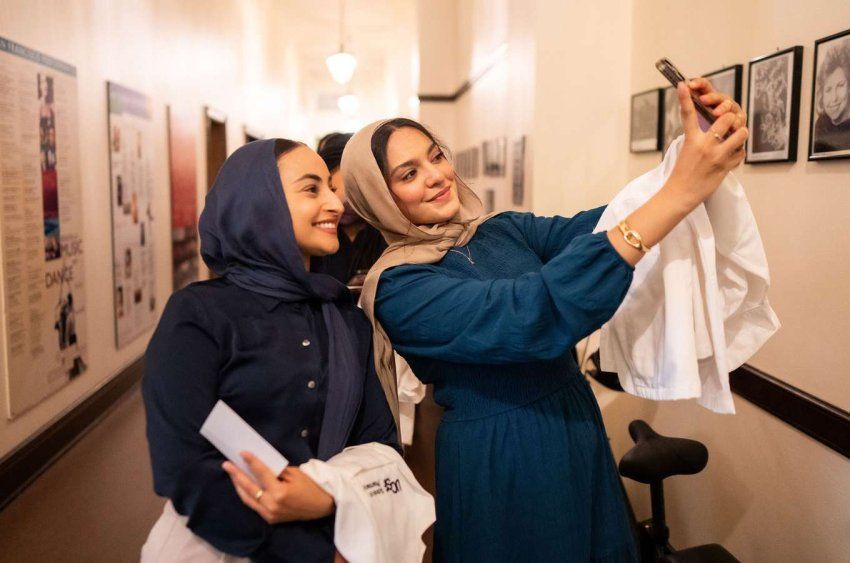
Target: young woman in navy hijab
(288, 350)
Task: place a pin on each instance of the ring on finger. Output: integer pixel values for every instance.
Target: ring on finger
(259, 494)
(716, 136)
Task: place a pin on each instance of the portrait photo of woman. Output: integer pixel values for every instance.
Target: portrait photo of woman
(830, 126)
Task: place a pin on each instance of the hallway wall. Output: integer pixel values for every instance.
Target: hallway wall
(260, 62)
(219, 56)
(491, 44)
(769, 493)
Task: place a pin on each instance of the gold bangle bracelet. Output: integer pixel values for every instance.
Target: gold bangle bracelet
(632, 237)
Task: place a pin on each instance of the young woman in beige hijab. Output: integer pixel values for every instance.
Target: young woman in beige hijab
(487, 308)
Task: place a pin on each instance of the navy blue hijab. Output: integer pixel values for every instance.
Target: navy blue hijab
(247, 238)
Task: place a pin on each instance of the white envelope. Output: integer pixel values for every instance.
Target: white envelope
(228, 432)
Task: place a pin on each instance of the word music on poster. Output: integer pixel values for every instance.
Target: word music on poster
(131, 175)
(43, 277)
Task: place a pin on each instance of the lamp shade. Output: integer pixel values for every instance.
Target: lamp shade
(342, 66)
(348, 104)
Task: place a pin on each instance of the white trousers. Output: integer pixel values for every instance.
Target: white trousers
(171, 541)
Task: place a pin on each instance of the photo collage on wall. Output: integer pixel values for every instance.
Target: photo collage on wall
(131, 168)
(489, 161)
(772, 105)
(43, 284)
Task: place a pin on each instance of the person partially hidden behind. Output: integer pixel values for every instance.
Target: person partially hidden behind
(832, 128)
(360, 244)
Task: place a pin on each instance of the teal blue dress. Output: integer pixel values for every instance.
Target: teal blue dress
(524, 470)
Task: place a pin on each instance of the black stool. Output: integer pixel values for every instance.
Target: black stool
(652, 459)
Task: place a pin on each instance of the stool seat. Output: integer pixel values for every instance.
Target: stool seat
(655, 457)
(709, 553)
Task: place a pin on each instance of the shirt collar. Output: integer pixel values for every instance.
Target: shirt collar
(268, 302)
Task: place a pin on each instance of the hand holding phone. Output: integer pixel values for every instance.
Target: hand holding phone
(673, 74)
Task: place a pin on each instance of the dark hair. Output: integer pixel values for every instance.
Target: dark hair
(836, 58)
(330, 149)
(283, 146)
(381, 137)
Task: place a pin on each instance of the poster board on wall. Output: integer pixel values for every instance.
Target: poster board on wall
(43, 277)
(131, 178)
(182, 139)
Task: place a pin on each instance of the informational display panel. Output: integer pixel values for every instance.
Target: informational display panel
(131, 170)
(43, 278)
(182, 128)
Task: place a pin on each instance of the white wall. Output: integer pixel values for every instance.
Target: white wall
(581, 118)
(800, 208)
(769, 493)
(491, 41)
(248, 58)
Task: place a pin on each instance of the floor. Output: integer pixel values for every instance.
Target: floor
(96, 503)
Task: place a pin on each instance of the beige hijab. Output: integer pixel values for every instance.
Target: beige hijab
(368, 194)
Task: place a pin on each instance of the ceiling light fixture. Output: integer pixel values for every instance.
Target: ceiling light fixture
(348, 104)
(341, 64)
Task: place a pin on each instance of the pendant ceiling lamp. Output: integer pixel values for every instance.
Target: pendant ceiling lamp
(348, 104)
(341, 64)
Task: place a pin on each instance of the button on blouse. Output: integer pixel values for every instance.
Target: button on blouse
(267, 359)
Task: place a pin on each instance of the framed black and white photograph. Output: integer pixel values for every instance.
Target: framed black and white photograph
(646, 125)
(728, 81)
(518, 174)
(460, 164)
(465, 164)
(495, 157)
(830, 117)
(672, 125)
(773, 106)
(489, 201)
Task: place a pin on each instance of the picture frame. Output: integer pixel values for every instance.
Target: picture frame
(518, 173)
(489, 200)
(645, 124)
(728, 81)
(671, 126)
(829, 121)
(495, 157)
(466, 163)
(773, 106)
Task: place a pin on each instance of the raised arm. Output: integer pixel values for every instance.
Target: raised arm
(537, 316)
(703, 162)
(548, 236)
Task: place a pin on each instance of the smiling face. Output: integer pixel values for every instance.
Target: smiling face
(420, 178)
(313, 204)
(835, 92)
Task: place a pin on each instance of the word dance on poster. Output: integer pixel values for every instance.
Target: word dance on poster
(43, 281)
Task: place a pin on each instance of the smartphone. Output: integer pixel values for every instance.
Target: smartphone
(673, 74)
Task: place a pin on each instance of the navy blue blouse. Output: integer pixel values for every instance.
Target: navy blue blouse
(267, 359)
